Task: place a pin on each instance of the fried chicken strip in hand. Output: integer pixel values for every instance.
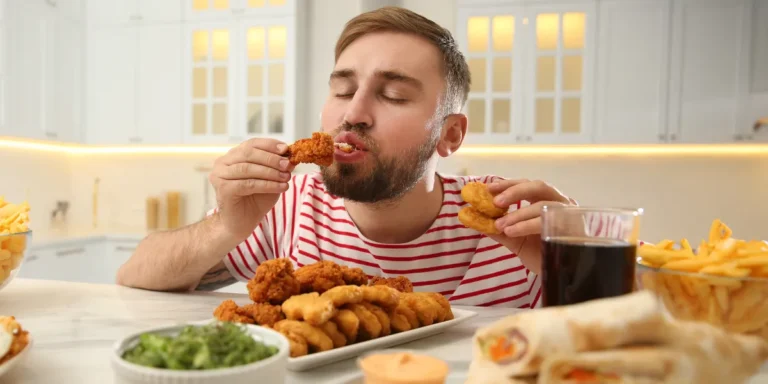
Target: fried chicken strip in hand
(401, 283)
(320, 276)
(274, 282)
(316, 150)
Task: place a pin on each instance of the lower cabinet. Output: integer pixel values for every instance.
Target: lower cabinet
(86, 261)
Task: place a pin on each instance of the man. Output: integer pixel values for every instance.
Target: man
(396, 95)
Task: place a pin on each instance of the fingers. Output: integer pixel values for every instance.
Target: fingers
(500, 185)
(524, 221)
(524, 228)
(532, 191)
(253, 171)
(249, 187)
(269, 145)
(250, 154)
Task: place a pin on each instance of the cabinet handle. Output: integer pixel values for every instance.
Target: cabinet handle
(135, 139)
(662, 136)
(738, 137)
(51, 135)
(528, 138)
(135, 17)
(70, 252)
(749, 137)
(122, 248)
(238, 11)
(673, 137)
(32, 258)
(52, 3)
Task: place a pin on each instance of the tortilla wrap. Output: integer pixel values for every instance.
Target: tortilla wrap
(519, 343)
(636, 365)
(484, 372)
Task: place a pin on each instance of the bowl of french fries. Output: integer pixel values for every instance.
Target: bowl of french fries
(14, 237)
(723, 281)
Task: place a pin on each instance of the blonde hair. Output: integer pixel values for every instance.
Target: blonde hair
(395, 19)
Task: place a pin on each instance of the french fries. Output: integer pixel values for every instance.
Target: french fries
(14, 219)
(707, 284)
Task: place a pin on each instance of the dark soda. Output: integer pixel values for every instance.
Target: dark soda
(577, 270)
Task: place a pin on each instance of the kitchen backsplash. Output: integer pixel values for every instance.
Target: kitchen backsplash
(680, 195)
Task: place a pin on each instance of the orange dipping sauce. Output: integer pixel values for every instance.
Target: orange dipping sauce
(403, 368)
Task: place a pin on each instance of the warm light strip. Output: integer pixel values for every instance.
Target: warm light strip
(583, 150)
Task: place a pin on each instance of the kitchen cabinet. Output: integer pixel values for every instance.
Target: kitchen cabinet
(633, 78)
(709, 80)
(3, 64)
(212, 10)
(129, 12)
(90, 260)
(239, 80)
(134, 84)
(532, 67)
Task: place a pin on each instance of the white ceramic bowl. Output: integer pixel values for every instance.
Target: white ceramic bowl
(270, 370)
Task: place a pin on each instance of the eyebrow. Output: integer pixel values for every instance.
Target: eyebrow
(387, 75)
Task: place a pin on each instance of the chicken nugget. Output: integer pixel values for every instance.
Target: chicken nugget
(310, 307)
(381, 295)
(399, 322)
(381, 315)
(472, 218)
(348, 323)
(316, 150)
(273, 282)
(315, 336)
(354, 276)
(370, 328)
(425, 309)
(262, 313)
(401, 283)
(332, 330)
(410, 315)
(478, 196)
(344, 294)
(444, 303)
(298, 344)
(228, 311)
(440, 311)
(320, 276)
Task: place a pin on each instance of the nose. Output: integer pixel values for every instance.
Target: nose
(359, 111)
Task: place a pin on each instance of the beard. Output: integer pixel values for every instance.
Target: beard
(386, 179)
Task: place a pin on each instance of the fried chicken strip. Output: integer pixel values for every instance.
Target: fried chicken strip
(320, 276)
(353, 276)
(401, 283)
(316, 150)
(256, 313)
(274, 282)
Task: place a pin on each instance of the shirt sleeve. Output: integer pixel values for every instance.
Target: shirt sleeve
(267, 239)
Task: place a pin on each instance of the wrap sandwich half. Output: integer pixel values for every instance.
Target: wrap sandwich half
(694, 353)
(519, 343)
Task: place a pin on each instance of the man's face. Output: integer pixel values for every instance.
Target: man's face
(384, 91)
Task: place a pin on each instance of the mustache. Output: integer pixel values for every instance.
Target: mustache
(361, 130)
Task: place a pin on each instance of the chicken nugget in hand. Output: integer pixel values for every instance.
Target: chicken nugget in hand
(316, 150)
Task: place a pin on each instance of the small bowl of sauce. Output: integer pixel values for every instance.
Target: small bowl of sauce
(402, 367)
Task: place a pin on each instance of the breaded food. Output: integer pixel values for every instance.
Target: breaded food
(440, 313)
(310, 307)
(274, 282)
(316, 150)
(401, 283)
(344, 294)
(370, 328)
(20, 337)
(228, 311)
(316, 338)
(381, 295)
(410, 314)
(348, 323)
(345, 147)
(320, 276)
(298, 344)
(353, 276)
(425, 309)
(472, 218)
(444, 303)
(382, 316)
(478, 196)
(331, 329)
(399, 322)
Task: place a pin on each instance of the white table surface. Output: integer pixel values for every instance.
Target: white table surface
(74, 326)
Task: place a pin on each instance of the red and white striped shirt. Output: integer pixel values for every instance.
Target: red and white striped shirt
(308, 224)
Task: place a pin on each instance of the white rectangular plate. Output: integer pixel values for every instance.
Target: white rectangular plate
(337, 354)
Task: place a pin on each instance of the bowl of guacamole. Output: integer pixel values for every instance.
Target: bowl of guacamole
(201, 353)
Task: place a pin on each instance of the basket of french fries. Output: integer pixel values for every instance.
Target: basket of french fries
(723, 281)
(14, 236)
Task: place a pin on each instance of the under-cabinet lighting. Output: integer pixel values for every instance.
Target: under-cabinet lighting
(470, 150)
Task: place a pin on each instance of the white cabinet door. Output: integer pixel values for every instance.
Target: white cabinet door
(708, 84)
(112, 12)
(633, 71)
(4, 39)
(160, 11)
(73, 10)
(159, 84)
(67, 102)
(40, 264)
(111, 85)
(117, 253)
(28, 76)
(199, 10)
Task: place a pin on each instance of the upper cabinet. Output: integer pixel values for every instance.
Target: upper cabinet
(226, 9)
(613, 71)
(3, 63)
(128, 12)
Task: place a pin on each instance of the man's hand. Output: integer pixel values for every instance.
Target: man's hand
(521, 229)
(248, 181)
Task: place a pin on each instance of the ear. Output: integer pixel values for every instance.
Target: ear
(454, 130)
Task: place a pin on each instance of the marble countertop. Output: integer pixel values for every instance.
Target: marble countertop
(74, 326)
